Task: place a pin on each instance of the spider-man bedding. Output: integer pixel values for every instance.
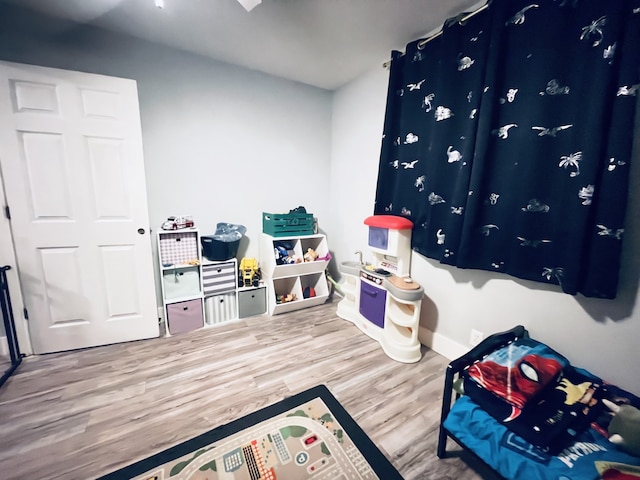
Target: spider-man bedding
(529, 414)
(518, 371)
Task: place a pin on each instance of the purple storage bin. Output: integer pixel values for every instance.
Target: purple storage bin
(185, 316)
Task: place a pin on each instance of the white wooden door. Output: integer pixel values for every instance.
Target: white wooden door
(72, 166)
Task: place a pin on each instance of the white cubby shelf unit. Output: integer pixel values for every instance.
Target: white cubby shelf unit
(294, 278)
(197, 292)
(181, 279)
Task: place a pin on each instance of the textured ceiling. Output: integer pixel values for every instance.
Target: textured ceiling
(324, 43)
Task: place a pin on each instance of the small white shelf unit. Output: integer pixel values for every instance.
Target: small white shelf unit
(294, 278)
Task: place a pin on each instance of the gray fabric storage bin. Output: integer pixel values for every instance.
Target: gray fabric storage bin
(220, 308)
(252, 302)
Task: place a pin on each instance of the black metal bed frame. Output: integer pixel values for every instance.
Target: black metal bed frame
(454, 371)
(9, 325)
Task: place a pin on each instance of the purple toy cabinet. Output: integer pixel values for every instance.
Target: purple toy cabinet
(372, 303)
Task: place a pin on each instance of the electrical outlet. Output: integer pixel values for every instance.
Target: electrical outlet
(475, 337)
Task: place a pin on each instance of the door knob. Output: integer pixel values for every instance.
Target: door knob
(141, 231)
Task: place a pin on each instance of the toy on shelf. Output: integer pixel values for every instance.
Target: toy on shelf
(194, 262)
(249, 274)
(311, 255)
(178, 223)
(284, 253)
(326, 258)
(289, 297)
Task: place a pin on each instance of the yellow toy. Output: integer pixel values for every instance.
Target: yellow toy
(249, 272)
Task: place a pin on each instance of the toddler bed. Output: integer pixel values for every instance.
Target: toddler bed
(526, 412)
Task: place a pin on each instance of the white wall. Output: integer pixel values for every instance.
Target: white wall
(600, 335)
(227, 144)
(358, 114)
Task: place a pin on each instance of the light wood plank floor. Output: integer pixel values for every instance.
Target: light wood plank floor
(82, 414)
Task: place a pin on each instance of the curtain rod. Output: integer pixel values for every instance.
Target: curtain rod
(436, 35)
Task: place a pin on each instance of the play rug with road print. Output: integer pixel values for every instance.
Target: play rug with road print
(306, 436)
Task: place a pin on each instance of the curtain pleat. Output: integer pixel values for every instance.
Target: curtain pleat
(507, 140)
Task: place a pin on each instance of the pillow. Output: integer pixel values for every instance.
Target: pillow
(558, 414)
(518, 371)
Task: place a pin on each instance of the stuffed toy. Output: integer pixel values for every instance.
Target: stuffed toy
(311, 255)
(289, 297)
(624, 428)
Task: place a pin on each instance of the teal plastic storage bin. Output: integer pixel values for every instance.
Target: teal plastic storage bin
(287, 224)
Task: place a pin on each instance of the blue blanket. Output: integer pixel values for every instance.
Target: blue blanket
(514, 457)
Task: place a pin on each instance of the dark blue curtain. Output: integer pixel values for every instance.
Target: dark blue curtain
(507, 140)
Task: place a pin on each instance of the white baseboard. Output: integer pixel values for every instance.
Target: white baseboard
(441, 344)
(4, 347)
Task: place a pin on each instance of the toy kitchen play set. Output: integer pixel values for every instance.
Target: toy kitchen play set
(381, 298)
